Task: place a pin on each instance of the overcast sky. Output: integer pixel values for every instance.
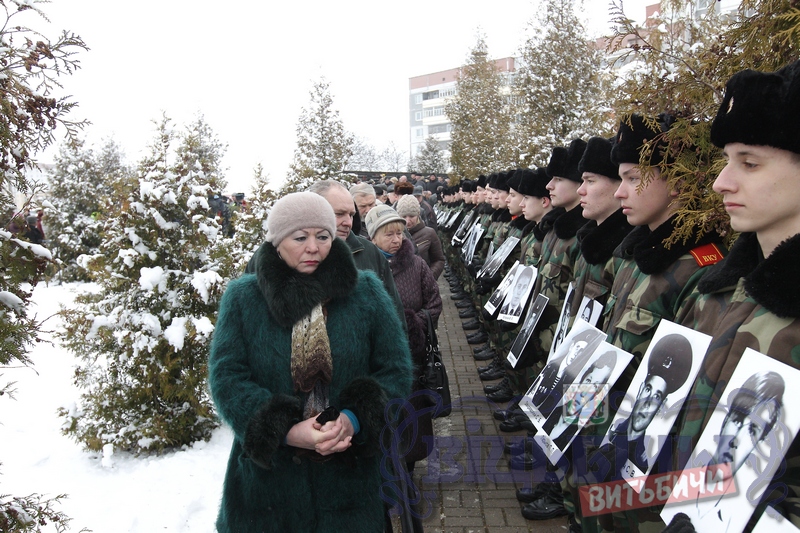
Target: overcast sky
(247, 67)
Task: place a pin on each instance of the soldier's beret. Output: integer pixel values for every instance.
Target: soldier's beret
(671, 359)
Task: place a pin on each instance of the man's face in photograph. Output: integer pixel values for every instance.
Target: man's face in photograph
(651, 395)
(590, 384)
(739, 436)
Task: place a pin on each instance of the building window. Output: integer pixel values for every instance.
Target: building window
(444, 93)
(430, 95)
(437, 111)
(418, 98)
(419, 133)
(418, 115)
(440, 128)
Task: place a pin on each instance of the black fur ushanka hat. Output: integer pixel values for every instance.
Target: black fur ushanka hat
(761, 108)
(597, 158)
(574, 154)
(632, 138)
(557, 166)
(533, 182)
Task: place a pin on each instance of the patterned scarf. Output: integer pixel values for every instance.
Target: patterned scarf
(312, 366)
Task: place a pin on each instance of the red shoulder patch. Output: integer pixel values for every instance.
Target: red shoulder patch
(708, 254)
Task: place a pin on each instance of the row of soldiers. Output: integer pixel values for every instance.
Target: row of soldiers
(600, 219)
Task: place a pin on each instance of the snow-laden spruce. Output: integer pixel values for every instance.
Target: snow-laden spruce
(143, 338)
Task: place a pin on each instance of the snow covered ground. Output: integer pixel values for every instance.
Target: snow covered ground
(175, 492)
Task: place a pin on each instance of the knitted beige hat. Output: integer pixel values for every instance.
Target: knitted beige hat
(296, 211)
(380, 215)
(408, 206)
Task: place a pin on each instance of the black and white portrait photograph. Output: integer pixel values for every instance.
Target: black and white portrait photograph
(654, 398)
(496, 259)
(563, 320)
(560, 371)
(468, 251)
(590, 310)
(742, 446)
(581, 400)
(517, 297)
(499, 294)
(531, 318)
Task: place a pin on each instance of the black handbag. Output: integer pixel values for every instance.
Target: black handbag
(434, 374)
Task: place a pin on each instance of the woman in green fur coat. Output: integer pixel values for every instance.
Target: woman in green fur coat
(306, 333)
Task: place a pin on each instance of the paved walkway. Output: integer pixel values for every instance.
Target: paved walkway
(467, 484)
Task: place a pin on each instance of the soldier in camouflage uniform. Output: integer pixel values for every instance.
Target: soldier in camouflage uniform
(653, 280)
(559, 254)
(537, 211)
(751, 299)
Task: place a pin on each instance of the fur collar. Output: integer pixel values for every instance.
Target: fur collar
(647, 247)
(529, 227)
(519, 223)
(599, 242)
(403, 258)
(768, 281)
(501, 215)
(567, 225)
(546, 224)
(291, 295)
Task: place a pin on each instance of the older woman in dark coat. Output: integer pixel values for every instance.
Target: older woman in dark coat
(429, 246)
(419, 293)
(305, 334)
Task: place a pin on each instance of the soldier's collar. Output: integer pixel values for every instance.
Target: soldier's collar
(768, 281)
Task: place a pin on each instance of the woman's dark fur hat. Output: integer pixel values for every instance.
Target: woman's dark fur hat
(761, 108)
(636, 131)
(597, 158)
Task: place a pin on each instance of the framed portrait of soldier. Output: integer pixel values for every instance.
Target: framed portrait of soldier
(499, 294)
(517, 297)
(472, 242)
(535, 309)
(741, 447)
(560, 371)
(462, 232)
(653, 400)
(590, 310)
(583, 400)
(495, 260)
(563, 320)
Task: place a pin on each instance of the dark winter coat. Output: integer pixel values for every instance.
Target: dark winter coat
(429, 247)
(418, 290)
(270, 486)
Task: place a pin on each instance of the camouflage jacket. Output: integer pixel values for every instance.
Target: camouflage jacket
(653, 282)
(531, 253)
(596, 266)
(744, 302)
(560, 252)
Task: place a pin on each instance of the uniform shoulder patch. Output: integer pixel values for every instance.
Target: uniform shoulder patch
(707, 254)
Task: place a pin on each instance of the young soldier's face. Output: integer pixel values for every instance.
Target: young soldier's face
(533, 207)
(514, 202)
(597, 196)
(563, 192)
(502, 199)
(649, 206)
(760, 187)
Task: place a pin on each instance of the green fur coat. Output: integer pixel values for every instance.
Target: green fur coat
(270, 486)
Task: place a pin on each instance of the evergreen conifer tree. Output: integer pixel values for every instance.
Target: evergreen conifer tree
(481, 117)
(30, 111)
(679, 65)
(143, 339)
(324, 147)
(431, 158)
(562, 91)
(80, 191)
